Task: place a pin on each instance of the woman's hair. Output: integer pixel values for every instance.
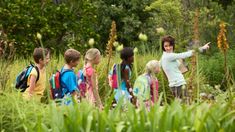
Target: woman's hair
(40, 53)
(71, 55)
(91, 54)
(126, 53)
(151, 66)
(169, 39)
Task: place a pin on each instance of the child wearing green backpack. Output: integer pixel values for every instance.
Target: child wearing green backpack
(146, 85)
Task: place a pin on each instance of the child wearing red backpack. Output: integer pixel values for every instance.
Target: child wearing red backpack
(146, 85)
(68, 77)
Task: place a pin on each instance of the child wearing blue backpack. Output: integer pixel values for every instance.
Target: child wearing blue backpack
(68, 77)
(36, 80)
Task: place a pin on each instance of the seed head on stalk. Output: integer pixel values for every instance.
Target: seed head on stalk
(221, 38)
(224, 46)
(109, 47)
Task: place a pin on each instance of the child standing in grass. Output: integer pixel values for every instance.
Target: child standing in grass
(36, 88)
(68, 77)
(146, 85)
(92, 58)
(170, 65)
(125, 90)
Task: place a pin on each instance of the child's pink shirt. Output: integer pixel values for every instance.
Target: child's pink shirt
(89, 72)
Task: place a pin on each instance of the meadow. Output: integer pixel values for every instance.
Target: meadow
(201, 114)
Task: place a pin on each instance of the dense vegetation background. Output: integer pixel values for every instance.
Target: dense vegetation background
(71, 23)
(67, 24)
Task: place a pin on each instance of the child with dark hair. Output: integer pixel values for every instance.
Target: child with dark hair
(36, 88)
(170, 64)
(125, 90)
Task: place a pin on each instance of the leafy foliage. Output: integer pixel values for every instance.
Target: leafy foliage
(18, 115)
(72, 23)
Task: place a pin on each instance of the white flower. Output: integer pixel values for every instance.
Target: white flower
(135, 50)
(91, 41)
(217, 86)
(143, 37)
(119, 48)
(160, 31)
(115, 44)
(39, 36)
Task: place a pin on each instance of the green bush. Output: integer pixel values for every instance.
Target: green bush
(213, 68)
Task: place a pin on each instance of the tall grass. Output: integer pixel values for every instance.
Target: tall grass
(17, 114)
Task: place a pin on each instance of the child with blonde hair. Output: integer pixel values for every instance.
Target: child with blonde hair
(146, 85)
(92, 57)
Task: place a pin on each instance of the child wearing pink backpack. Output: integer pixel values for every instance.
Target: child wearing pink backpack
(92, 58)
(119, 77)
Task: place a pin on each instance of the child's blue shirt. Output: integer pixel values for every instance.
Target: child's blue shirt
(68, 81)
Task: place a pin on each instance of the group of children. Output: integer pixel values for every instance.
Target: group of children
(144, 90)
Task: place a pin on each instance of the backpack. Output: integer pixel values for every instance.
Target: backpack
(56, 89)
(82, 83)
(141, 88)
(22, 77)
(114, 76)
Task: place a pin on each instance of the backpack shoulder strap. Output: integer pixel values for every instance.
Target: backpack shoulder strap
(37, 69)
(148, 78)
(62, 72)
(118, 72)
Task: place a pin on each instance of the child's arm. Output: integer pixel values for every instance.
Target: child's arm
(32, 84)
(126, 78)
(95, 91)
(128, 85)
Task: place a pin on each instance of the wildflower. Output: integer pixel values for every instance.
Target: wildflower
(221, 38)
(39, 36)
(217, 86)
(135, 50)
(120, 47)
(160, 31)
(91, 42)
(143, 37)
(115, 44)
